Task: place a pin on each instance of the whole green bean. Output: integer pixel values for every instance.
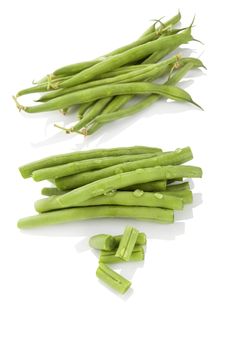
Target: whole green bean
(189, 63)
(171, 158)
(85, 165)
(137, 198)
(75, 214)
(92, 94)
(27, 169)
(76, 67)
(127, 57)
(119, 181)
(156, 71)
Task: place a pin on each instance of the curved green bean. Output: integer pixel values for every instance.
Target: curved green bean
(128, 56)
(186, 65)
(92, 94)
(75, 214)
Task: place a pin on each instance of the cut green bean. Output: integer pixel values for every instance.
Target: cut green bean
(51, 191)
(85, 165)
(27, 169)
(141, 239)
(138, 254)
(127, 243)
(84, 213)
(169, 158)
(118, 181)
(136, 198)
(112, 278)
(185, 195)
(102, 242)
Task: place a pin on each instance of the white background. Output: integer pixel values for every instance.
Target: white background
(182, 295)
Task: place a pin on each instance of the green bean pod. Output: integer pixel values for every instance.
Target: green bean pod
(129, 56)
(75, 214)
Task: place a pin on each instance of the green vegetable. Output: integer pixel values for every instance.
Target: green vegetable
(137, 198)
(185, 195)
(178, 187)
(152, 186)
(102, 242)
(84, 213)
(129, 56)
(118, 181)
(85, 165)
(96, 93)
(127, 243)
(110, 257)
(141, 239)
(112, 279)
(169, 158)
(27, 170)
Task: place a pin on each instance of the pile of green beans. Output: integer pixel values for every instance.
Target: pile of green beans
(134, 182)
(101, 89)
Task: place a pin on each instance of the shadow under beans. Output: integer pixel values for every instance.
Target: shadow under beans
(123, 297)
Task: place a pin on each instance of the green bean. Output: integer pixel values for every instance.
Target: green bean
(110, 258)
(75, 214)
(137, 198)
(119, 181)
(149, 186)
(85, 165)
(95, 109)
(92, 94)
(102, 242)
(51, 191)
(112, 278)
(188, 64)
(118, 101)
(127, 243)
(84, 107)
(178, 187)
(43, 87)
(185, 195)
(147, 38)
(27, 169)
(129, 56)
(171, 158)
(127, 77)
(141, 239)
(76, 67)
